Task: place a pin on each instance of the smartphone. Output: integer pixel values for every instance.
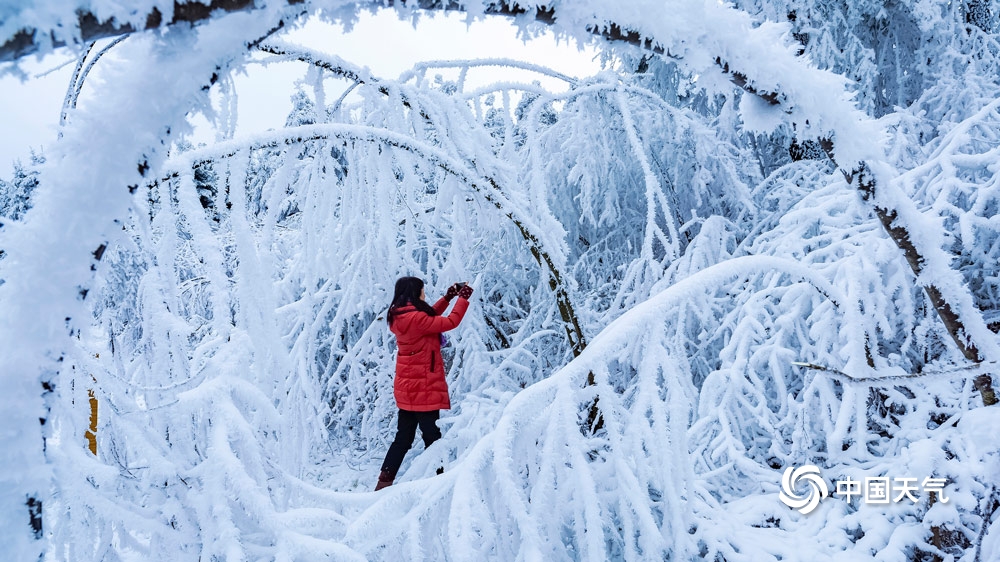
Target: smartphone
(461, 284)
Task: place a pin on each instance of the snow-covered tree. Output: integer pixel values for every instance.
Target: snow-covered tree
(15, 195)
(764, 237)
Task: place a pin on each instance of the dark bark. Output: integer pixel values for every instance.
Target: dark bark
(899, 234)
(28, 41)
(35, 517)
(25, 42)
(91, 28)
(574, 333)
(979, 14)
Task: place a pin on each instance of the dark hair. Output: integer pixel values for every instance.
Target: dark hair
(408, 293)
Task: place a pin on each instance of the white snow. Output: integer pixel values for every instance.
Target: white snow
(743, 312)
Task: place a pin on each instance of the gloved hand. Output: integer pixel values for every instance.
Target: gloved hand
(452, 291)
(465, 292)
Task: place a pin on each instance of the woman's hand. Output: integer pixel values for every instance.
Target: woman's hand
(453, 291)
(465, 292)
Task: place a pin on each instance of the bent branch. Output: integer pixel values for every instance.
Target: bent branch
(28, 41)
(489, 188)
(899, 233)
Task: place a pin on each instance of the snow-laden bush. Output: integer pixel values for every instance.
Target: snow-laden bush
(672, 306)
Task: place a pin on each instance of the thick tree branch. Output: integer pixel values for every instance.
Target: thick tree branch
(566, 310)
(27, 41)
(491, 192)
(952, 322)
(899, 233)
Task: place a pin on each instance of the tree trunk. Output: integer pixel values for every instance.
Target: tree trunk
(899, 234)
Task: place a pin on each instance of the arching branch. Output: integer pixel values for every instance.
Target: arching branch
(28, 41)
(571, 322)
(566, 310)
(488, 187)
(80, 76)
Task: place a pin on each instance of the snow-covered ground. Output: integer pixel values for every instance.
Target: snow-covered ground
(767, 241)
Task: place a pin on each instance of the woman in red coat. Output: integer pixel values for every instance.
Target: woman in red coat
(419, 387)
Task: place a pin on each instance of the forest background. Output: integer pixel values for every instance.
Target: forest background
(763, 236)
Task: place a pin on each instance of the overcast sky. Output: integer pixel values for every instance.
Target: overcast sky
(29, 111)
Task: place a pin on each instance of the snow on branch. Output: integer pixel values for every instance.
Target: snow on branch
(532, 476)
(238, 310)
(420, 69)
(815, 100)
(488, 187)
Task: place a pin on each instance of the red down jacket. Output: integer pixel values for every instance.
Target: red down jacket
(420, 384)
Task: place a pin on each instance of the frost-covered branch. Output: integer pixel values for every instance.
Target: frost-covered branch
(420, 69)
(89, 28)
(958, 372)
(946, 291)
(332, 64)
(488, 187)
(80, 74)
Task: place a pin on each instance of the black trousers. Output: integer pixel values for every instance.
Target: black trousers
(406, 431)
